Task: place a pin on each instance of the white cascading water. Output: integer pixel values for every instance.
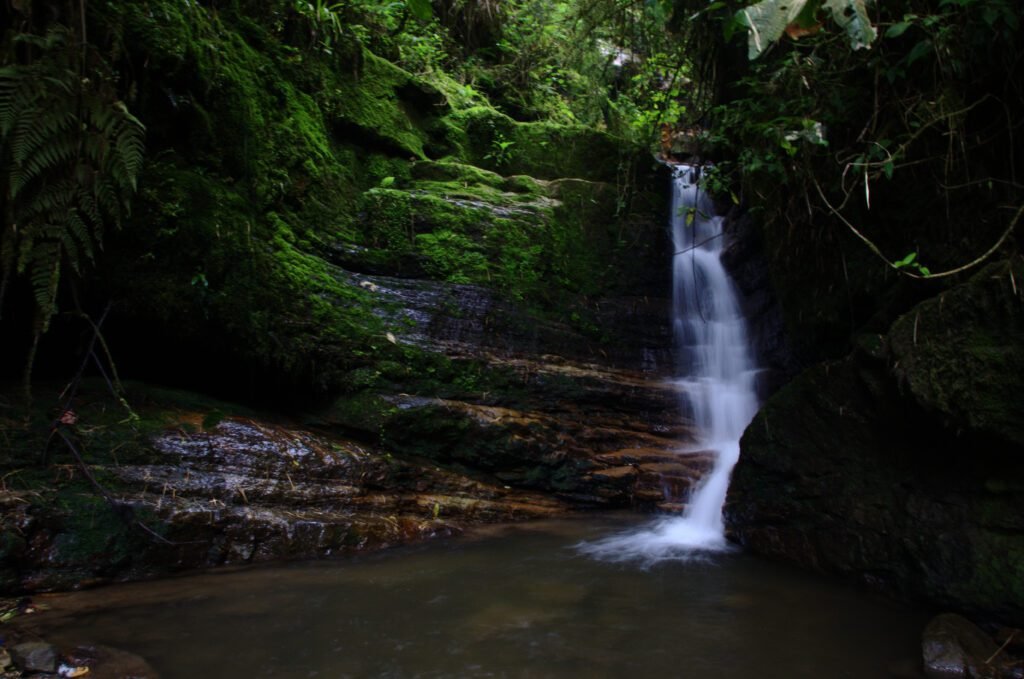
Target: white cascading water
(716, 383)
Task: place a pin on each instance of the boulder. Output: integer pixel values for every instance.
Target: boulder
(105, 662)
(901, 465)
(953, 648)
(961, 354)
(34, 656)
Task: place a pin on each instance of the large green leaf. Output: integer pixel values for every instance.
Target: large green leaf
(852, 15)
(766, 21)
(420, 9)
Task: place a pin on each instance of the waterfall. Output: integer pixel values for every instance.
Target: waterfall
(715, 378)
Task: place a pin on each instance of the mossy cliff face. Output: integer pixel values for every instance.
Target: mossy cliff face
(277, 171)
(443, 290)
(902, 465)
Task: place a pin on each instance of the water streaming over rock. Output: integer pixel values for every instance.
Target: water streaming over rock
(716, 377)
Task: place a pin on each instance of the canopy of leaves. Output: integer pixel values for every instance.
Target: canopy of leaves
(900, 135)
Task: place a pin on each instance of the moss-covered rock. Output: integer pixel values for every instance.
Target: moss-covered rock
(277, 173)
(901, 464)
(389, 106)
(961, 354)
(490, 139)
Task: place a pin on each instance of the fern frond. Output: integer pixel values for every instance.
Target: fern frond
(131, 149)
(44, 276)
(108, 198)
(71, 248)
(61, 150)
(76, 236)
(47, 203)
(18, 89)
(90, 208)
(70, 156)
(26, 245)
(8, 255)
(66, 83)
(25, 135)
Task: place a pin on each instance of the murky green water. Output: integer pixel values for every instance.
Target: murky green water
(519, 603)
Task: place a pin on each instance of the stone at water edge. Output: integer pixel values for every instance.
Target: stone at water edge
(953, 648)
(105, 662)
(35, 656)
(1011, 639)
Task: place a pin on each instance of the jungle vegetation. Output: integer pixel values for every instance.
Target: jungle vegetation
(895, 124)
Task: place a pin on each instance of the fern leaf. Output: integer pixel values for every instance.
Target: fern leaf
(18, 90)
(59, 152)
(70, 155)
(49, 202)
(77, 231)
(108, 199)
(87, 203)
(44, 276)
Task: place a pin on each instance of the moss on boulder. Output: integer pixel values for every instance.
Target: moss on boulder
(961, 354)
(388, 105)
(490, 139)
(902, 465)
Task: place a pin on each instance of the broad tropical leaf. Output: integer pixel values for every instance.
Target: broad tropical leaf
(767, 20)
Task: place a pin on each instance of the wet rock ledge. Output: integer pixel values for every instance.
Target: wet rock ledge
(190, 483)
(238, 491)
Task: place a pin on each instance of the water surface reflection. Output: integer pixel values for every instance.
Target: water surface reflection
(520, 602)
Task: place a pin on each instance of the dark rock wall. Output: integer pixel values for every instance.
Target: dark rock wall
(745, 260)
(901, 465)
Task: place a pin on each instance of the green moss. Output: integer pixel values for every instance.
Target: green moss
(275, 167)
(365, 411)
(961, 353)
(538, 242)
(457, 172)
(378, 169)
(523, 184)
(383, 101)
(258, 278)
(92, 533)
(387, 227)
(452, 257)
(490, 139)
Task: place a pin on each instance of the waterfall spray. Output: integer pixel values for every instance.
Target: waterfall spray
(715, 378)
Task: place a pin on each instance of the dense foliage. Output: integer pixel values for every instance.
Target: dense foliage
(280, 136)
(818, 115)
(895, 149)
(932, 101)
(70, 156)
(372, 210)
